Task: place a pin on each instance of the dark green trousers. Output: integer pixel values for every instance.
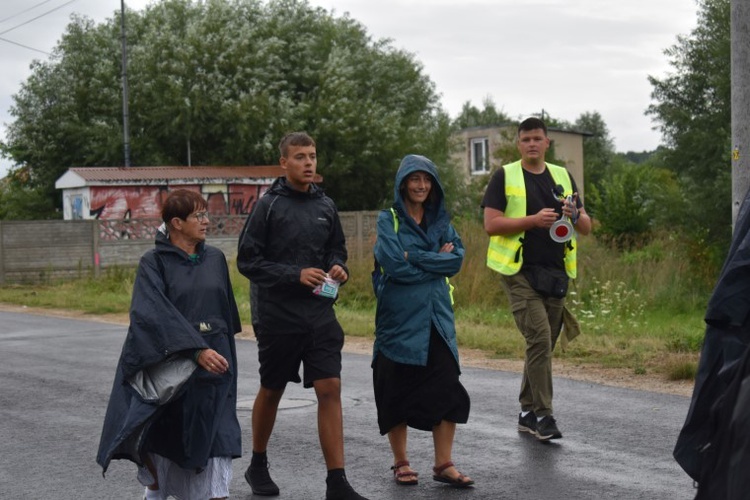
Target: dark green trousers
(540, 320)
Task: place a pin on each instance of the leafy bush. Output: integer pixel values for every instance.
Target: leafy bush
(633, 202)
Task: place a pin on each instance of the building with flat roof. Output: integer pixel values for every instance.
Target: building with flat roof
(476, 148)
(137, 192)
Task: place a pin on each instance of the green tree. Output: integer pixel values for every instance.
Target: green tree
(66, 112)
(18, 201)
(639, 157)
(219, 83)
(598, 155)
(471, 116)
(693, 112)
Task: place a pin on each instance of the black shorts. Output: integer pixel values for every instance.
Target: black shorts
(280, 356)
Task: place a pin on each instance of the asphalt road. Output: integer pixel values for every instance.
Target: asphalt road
(57, 373)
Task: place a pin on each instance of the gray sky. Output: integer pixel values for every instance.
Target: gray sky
(564, 56)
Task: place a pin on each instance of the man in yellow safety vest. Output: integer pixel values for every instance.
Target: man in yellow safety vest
(532, 213)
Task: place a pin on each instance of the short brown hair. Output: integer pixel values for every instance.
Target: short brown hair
(294, 139)
(530, 124)
(180, 203)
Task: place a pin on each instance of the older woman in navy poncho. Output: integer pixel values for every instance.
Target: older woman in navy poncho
(415, 363)
(173, 405)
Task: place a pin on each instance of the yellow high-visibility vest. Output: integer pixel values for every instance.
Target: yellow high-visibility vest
(504, 253)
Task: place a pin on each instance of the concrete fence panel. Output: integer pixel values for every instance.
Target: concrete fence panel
(38, 251)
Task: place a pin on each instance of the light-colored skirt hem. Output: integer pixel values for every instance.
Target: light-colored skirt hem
(185, 484)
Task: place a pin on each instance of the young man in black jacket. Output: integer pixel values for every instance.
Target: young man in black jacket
(291, 248)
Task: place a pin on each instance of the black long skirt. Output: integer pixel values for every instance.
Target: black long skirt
(421, 396)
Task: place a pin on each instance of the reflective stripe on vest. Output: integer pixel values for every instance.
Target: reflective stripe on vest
(504, 253)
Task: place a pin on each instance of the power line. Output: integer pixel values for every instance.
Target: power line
(24, 11)
(24, 46)
(29, 21)
(37, 17)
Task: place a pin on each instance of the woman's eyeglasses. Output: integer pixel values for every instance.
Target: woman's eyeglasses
(200, 215)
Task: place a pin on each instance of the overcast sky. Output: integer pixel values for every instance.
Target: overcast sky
(565, 57)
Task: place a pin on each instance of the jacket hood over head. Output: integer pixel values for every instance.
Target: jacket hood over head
(435, 203)
(414, 297)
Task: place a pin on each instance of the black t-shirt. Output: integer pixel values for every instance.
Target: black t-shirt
(538, 248)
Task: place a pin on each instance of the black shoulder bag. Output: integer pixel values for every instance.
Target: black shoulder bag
(547, 281)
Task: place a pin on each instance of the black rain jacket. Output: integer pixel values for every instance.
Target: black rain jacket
(713, 446)
(287, 231)
(178, 305)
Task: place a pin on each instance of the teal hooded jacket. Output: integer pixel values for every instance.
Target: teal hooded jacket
(414, 294)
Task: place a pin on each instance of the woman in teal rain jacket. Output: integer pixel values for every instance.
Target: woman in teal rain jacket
(415, 360)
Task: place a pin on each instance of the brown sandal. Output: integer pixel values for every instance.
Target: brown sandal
(397, 475)
(457, 482)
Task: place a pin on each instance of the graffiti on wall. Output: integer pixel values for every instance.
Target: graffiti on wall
(130, 202)
(145, 202)
(242, 198)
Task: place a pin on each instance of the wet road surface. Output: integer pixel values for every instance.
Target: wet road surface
(57, 373)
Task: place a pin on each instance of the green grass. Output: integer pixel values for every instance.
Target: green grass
(110, 293)
(681, 370)
(642, 311)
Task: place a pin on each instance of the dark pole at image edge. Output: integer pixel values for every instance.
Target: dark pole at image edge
(740, 43)
(125, 126)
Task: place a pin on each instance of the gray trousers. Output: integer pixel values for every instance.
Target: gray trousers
(540, 320)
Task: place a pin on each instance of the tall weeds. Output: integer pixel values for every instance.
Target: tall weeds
(641, 309)
(633, 306)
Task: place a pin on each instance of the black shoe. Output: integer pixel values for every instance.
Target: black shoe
(340, 489)
(260, 481)
(527, 423)
(546, 429)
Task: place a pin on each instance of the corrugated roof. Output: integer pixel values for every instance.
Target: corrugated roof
(135, 174)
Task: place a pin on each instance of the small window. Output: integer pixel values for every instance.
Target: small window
(480, 158)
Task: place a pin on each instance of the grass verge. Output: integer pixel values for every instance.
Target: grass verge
(639, 311)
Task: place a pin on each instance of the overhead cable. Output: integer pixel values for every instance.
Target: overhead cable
(37, 17)
(24, 11)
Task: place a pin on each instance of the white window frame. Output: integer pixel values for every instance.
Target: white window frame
(477, 169)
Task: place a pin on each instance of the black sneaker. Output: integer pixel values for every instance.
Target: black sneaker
(527, 423)
(260, 481)
(546, 429)
(340, 489)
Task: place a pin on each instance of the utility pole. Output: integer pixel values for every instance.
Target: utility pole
(740, 50)
(125, 119)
